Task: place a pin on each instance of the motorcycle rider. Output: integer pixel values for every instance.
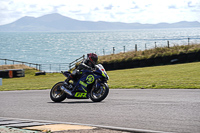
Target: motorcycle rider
(89, 63)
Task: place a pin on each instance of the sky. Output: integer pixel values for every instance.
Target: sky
(128, 11)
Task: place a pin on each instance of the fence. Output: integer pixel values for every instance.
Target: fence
(154, 61)
(53, 67)
(57, 67)
(155, 45)
(72, 64)
(9, 62)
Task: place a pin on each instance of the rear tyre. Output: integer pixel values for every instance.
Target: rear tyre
(56, 94)
(100, 94)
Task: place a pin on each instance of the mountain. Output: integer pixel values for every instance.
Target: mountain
(57, 22)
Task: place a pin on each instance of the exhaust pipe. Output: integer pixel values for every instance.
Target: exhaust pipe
(66, 90)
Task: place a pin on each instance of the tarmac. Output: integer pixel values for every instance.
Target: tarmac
(9, 125)
(17, 125)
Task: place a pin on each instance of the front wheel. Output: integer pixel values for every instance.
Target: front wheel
(100, 94)
(56, 94)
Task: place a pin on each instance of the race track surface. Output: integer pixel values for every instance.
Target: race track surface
(168, 110)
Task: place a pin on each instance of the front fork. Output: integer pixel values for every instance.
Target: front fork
(98, 84)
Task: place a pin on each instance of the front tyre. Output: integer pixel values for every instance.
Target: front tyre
(56, 94)
(100, 94)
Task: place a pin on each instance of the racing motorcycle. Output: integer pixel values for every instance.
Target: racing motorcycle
(88, 84)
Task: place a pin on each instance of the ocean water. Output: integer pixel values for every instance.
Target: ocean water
(64, 47)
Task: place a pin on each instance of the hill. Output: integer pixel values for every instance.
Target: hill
(56, 22)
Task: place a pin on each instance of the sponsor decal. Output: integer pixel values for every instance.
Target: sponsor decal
(81, 94)
(90, 79)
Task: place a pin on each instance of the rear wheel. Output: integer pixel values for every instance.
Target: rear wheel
(56, 94)
(100, 94)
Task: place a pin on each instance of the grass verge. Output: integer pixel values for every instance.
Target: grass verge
(31, 82)
(150, 53)
(179, 76)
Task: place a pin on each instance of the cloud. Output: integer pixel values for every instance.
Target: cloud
(109, 7)
(129, 11)
(172, 7)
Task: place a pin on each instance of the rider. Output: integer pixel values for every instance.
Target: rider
(88, 63)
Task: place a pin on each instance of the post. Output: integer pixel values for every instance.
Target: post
(124, 49)
(36, 66)
(135, 47)
(188, 41)
(50, 67)
(40, 67)
(155, 45)
(145, 46)
(103, 52)
(168, 44)
(113, 50)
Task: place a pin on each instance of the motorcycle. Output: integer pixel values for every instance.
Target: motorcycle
(88, 84)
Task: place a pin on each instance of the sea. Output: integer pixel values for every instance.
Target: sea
(65, 47)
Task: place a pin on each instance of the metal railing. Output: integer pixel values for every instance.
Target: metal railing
(53, 67)
(73, 64)
(9, 62)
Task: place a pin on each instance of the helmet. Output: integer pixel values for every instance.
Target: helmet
(92, 58)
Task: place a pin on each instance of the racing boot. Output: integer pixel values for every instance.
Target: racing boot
(67, 84)
(67, 87)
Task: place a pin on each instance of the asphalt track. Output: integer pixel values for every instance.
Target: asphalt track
(167, 110)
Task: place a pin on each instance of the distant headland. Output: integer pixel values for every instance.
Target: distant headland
(56, 23)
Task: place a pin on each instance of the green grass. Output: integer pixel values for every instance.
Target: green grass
(31, 82)
(183, 76)
(170, 76)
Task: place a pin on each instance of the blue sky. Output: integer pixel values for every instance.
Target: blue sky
(128, 11)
